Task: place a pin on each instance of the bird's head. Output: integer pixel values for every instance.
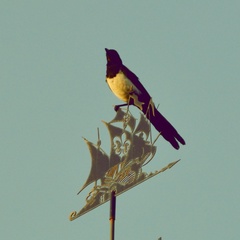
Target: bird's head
(113, 57)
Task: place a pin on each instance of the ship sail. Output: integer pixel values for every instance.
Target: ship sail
(100, 164)
(126, 145)
(143, 126)
(126, 118)
(148, 149)
(120, 140)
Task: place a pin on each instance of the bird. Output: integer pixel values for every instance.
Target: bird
(127, 87)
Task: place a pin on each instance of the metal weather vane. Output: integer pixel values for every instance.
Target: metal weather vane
(131, 149)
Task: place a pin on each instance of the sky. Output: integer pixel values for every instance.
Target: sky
(53, 93)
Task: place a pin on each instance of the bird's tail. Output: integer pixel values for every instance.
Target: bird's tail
(164, 126)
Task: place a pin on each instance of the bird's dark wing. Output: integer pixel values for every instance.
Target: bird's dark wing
(134, 79)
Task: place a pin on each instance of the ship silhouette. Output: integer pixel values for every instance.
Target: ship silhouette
(131, 149)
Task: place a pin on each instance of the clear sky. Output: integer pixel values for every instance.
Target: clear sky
(53, 93)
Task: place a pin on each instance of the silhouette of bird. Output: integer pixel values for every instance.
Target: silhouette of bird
(127, 87)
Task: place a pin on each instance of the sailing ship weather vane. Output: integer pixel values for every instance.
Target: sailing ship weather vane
(131, 143)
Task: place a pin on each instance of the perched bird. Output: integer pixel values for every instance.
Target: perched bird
(126, 86)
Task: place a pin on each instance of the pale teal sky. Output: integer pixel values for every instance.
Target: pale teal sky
(53, 92)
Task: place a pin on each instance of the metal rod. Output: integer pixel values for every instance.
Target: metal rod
(112, 214)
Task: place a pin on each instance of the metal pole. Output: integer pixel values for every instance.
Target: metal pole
(112, 214)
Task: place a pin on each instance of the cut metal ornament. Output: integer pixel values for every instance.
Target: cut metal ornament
(130, 150)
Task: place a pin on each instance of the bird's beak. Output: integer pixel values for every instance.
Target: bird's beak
(106, 49)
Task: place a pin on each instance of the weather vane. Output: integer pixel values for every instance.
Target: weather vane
(121, 170)
(131, 144)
